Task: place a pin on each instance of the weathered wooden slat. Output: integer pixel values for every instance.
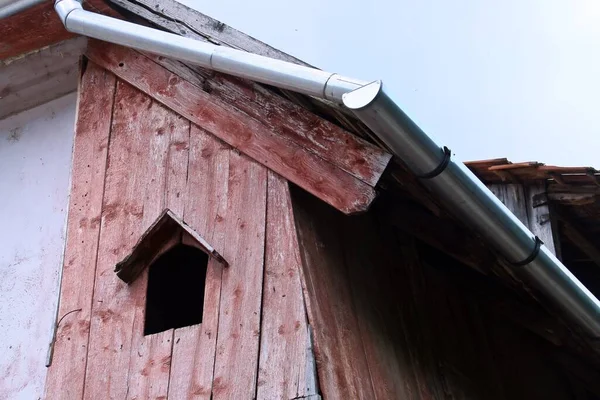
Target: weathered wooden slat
(375, 297)
(134, 196)
(65, 378)
(341, 364)
(283, 355)
(206, 195)
(239, 317)
(31, 29)
(150, 357)
(182, 20)
(38, 27)
(538, 216)
(312, 173)
(290, 121)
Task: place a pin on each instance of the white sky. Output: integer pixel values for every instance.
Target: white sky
(515, 78)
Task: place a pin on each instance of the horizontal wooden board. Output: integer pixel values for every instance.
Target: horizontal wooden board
(38, 27)
(322, 179)
(290, 121)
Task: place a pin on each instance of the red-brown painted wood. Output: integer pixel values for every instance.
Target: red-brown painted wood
(250, 136)
(290, 121)
(206, 194)
(239, 317)
(283, 353)
(39, 26)
(134, 195)
(150, 357)
(65, 378)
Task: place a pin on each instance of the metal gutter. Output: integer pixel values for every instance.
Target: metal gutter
(460, 190)
(12, 7)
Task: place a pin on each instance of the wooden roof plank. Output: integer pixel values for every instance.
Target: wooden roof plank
(297, 124)
(319, 177)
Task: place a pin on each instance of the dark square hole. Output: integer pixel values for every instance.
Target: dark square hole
(175, 295)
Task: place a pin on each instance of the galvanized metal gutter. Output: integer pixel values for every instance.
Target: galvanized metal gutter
(11, 7)
(450, 180)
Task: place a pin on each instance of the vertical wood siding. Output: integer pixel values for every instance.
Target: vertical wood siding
(143, 157)
(65, 378)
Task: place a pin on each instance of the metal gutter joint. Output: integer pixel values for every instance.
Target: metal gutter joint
(64, 8)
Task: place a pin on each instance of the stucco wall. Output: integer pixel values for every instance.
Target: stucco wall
(35, 159)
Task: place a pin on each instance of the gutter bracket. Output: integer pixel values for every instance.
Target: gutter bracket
(532, 256)
(440, 168)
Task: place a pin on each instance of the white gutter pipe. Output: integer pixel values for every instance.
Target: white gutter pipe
(460, 190)
(11, 7)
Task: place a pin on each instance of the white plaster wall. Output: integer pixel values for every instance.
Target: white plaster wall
(35, 160)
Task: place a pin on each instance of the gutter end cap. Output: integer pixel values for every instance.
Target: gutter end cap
(363, 96)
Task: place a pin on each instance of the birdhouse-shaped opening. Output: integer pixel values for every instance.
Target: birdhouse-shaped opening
(177, 258)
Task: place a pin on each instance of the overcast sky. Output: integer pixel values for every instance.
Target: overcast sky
(514, 78)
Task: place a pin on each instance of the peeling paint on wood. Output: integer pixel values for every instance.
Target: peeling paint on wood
(66, 375)
(312, 173)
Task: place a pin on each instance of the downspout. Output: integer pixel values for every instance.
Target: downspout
(464, 195)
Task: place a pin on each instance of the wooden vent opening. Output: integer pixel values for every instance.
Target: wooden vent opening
(175, 294)
(177, 259)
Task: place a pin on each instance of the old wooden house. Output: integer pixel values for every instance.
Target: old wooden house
(230, 239)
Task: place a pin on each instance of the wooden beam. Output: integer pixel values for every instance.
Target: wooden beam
(182, 20)
(297, 124)
(38, 27)
(234, 126)
(34, 28)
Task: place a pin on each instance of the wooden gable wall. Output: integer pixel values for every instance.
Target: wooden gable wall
(132, 158)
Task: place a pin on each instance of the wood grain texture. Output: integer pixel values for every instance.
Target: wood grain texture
(207, 188)
(182, 20)
(290, 121)
(150, 356)
(312, 173)
(134, 196)
(284, 330)
(65, 378)
(341, 363)
(538, 216)
(38, 27)
(239, 316)
(31, 29)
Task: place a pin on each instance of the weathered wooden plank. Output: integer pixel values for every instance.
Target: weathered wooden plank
(375, 297)
(283, 340)
(40, 77)
(134, 195)
(31, 29)
(38, 27)
(538, 216)
(341, 364)
(65, 378)
(150, 357)
(290, 121)
(239, 315)
(182, 20)
(236, 128)
(206, 195)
